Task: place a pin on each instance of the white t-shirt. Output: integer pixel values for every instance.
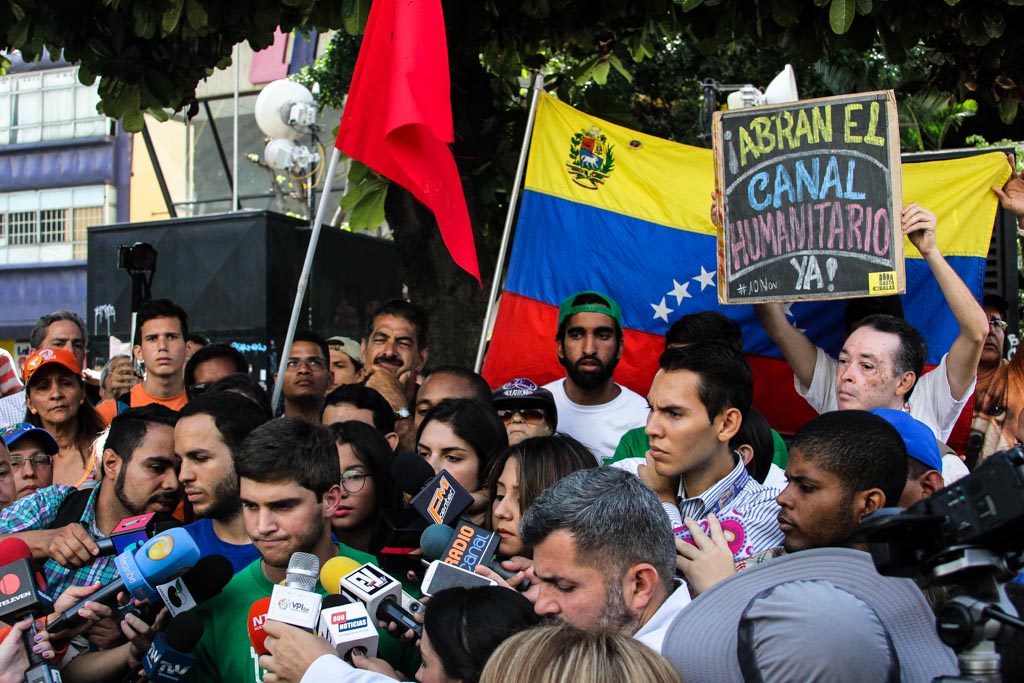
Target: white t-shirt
(599, 428)
(931, 402)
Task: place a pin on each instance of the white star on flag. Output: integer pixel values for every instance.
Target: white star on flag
(706, 279)
(788, 309)
(679, 291)
(661, 310)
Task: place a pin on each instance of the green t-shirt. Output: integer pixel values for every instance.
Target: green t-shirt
(224, 653)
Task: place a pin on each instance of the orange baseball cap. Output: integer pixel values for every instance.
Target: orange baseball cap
(44, 357)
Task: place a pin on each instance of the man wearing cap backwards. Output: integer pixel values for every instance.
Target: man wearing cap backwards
(592, 408)
(32, 450)
(346, 362)
(526, 409)
(924, 462)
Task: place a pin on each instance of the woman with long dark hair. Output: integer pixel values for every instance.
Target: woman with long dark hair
(55, 401)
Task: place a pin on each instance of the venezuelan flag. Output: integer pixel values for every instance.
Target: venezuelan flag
(616, 211)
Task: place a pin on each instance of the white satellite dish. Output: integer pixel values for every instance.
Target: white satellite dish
(285, 109)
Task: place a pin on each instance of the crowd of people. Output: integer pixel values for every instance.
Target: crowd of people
(668, 537)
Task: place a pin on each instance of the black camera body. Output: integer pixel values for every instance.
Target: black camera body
(984, 509)
(136, 258)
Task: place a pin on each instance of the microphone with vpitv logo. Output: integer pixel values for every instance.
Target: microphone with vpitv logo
(197, 585)
(295, 602)
(162, 558)
(439, 498)
(170, 656)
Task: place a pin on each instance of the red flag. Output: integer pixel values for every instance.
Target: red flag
(398, 119)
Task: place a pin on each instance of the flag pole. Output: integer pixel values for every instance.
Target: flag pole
(307, 266)
(536, 86)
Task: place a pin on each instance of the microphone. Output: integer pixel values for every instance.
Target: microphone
(295, 602)
(21, 594)
(466, 546)
(369, 585)
(170, 657)
(132, 532)
(346, 625)
(257, 617)
(439, 498)
(205, 580)
(162, 558)
(336, 567)
(441, 575)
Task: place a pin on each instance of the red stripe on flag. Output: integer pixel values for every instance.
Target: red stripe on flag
(523, 345)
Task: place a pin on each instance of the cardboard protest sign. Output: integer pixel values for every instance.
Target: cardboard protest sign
(812, 200)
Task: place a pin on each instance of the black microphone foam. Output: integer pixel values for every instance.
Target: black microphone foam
(184, 631)
(208, 577)
(334, 600)
(410, 472)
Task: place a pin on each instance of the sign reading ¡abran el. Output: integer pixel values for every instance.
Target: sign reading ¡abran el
(811, 200)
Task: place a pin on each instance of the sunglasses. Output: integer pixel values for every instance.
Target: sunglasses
(531, 416)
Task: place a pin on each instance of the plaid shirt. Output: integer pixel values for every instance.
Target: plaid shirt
(38, 512)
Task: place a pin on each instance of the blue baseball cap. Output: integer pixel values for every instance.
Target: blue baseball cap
(918, 438)
(12, 432)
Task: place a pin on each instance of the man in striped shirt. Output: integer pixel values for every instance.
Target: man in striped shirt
(698, 401)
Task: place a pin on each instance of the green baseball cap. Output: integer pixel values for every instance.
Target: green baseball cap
(609, 307)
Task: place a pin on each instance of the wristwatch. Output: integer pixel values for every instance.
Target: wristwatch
(402, 414)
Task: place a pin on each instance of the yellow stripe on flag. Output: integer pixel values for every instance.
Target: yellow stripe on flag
(646, 177)
(959, 192)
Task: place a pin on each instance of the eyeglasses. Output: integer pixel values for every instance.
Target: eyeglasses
(37, 460)
(531, 416)
(353, 481)
(313, 364)
(996, 322)
(200, 388)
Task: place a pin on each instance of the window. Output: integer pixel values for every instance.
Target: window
(49, 105)
(60, 216)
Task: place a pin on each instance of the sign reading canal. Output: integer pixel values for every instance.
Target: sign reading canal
(811, 200)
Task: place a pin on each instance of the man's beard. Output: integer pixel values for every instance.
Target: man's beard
(131, 506)
(616, 617)
(226, 504)
(589, 380)
(301, 544)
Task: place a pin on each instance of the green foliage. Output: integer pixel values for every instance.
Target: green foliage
(927, 116)
(364, 199)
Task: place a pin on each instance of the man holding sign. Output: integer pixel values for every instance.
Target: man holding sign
(881, 363)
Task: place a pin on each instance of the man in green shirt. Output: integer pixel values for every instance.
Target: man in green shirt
(289, 482)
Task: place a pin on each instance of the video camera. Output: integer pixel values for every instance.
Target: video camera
(984, 509)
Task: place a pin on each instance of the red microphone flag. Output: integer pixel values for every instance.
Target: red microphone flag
(398, 118)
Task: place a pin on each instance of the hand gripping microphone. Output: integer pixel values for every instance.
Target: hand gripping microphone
(295, 602)
(162, 558)
(170, 657)
(205, 580)
(346, 625)
(369, 585)
(257, 617)
(21, 595)
(439, 498)
(466, 546)
(132, 532)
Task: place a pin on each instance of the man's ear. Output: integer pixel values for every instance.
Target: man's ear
(866, 502)
(392, 439)
(746, 452)
(137, 350)
(111, 463)
(906, 383)
(930, 482)
(424, 355)
(330, 501)
(729, 421)
(639, 586)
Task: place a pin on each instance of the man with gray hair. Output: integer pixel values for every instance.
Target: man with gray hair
(604, 555)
